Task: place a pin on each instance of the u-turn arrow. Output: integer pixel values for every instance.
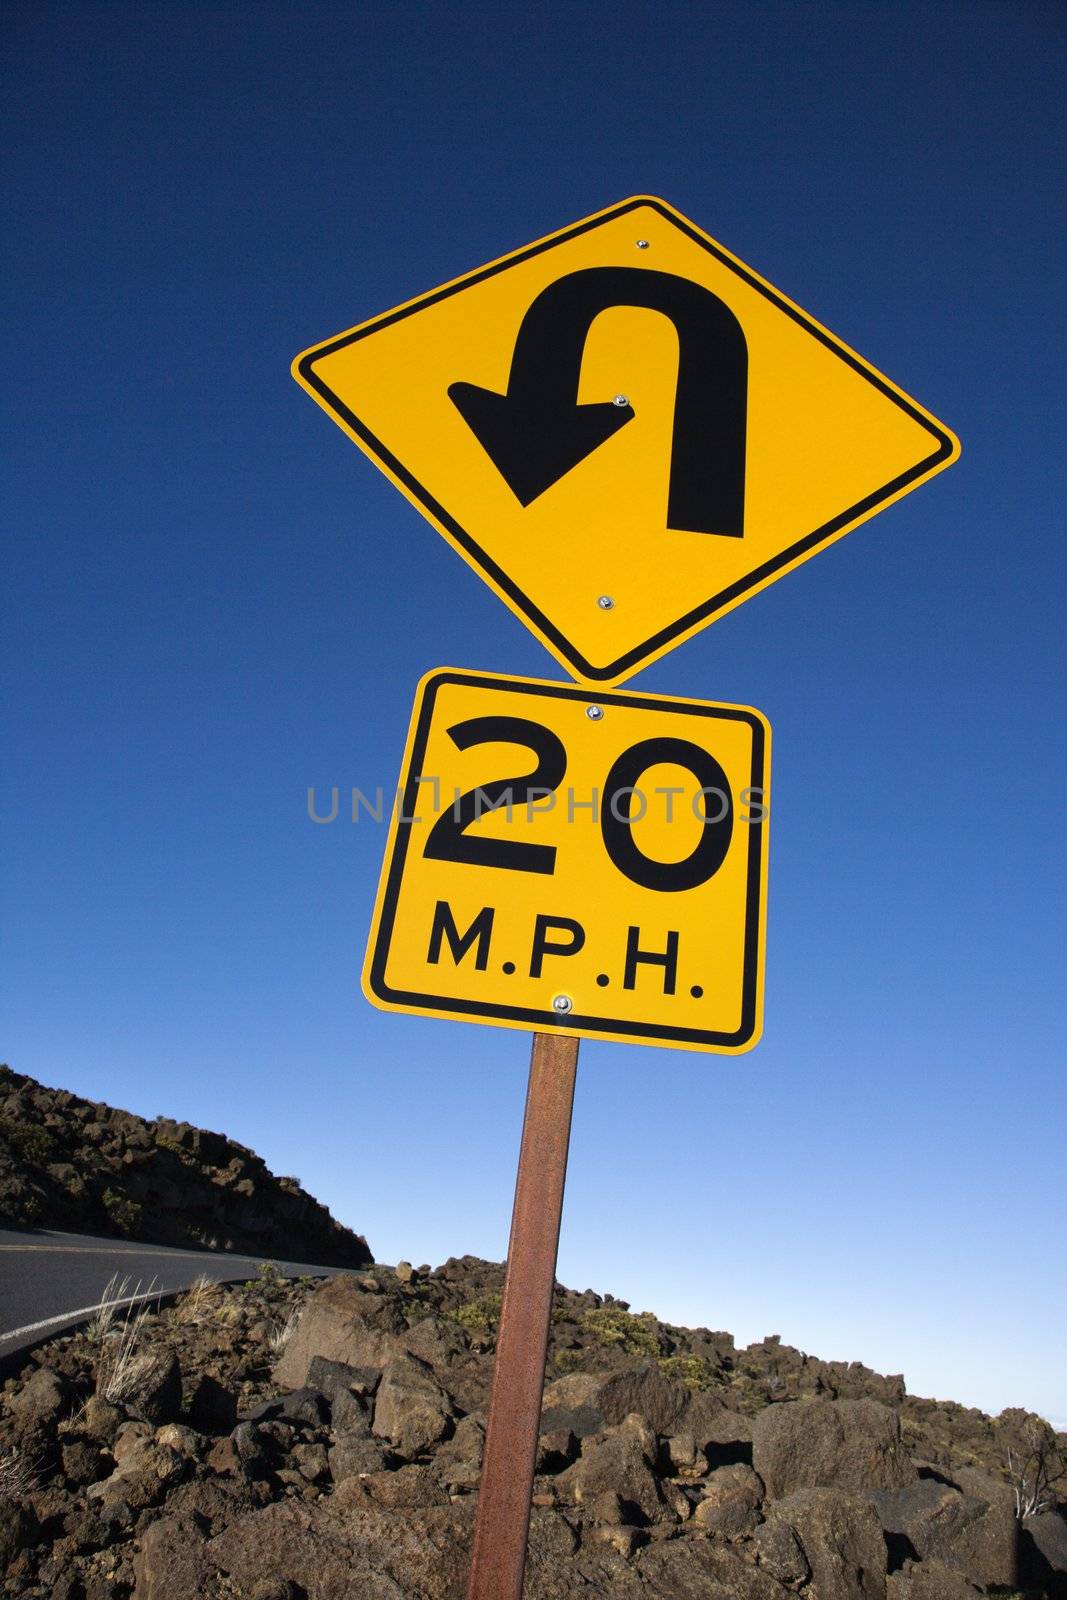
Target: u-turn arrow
(537, 432)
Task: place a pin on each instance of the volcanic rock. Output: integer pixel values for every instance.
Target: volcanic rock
(731, 1501)
(934, 1521)
(841, 1540)
(357, 1472)
(411, 1409)
(74, 1164)
(847, 1444)
(618, 1460)
(930, 1580)
(344, 1323)
(38, 1405)
(153, 1389)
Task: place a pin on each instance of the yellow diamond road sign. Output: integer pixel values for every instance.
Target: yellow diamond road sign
(624, 429)
(571, 864)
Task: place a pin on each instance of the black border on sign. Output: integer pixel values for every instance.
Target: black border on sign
(610, 1027)
(632, 658)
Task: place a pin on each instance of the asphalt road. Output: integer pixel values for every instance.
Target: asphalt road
(52, 1281)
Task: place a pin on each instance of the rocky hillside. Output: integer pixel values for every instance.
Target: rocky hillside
(279, 1441)
(82, 1165)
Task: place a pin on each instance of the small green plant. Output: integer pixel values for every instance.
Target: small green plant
(696, 1372)
(417, 1297)
(566, 1361)
(612, 1326)
(29, 1142)
(745, 1396)
(480, 1315)
(123, 1213)
(269, 1272)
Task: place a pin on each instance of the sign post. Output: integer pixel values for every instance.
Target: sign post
(502, 1526)
(614, 888)
(626, 432)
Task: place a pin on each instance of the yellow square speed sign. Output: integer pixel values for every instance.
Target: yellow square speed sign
(575, 861)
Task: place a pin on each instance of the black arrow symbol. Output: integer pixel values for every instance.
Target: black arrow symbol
(537, 432)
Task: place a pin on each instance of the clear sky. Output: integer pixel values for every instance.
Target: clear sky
(214, 601)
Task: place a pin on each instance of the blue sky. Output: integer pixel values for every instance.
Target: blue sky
(213, 601)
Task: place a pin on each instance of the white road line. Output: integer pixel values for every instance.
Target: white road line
(88, 1311)
(83, 1311)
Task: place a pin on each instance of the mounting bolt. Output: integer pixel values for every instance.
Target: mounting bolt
(595, 713)
(562, 1003)
(605, 602)
(620, 400)
(642, 244)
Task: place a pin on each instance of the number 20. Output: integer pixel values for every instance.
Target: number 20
(449, 840)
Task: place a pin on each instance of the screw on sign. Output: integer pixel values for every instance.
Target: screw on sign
(706, 435)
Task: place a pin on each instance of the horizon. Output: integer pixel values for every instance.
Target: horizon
(1058, 1422)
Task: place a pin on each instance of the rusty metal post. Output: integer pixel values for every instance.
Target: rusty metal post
(502, 1527)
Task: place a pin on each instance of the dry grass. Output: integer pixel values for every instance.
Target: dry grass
(18, 1473)
(115, 1292)
(122, 1360)
(281, 1333)
(200, 1302)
